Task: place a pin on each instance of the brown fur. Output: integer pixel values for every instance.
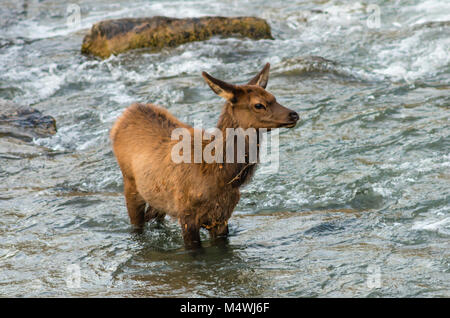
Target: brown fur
(198, 195)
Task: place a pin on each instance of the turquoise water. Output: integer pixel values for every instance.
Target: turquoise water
(359, 206)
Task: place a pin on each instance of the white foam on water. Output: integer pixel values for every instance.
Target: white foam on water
(118, 94)
(383, 191)
(64, 139)
(40, 29)
(38, 82)
(188, 62)
(343, 13)
(33, 28)
(430, 10)
(71, 137)
(94, 141)
(424, 52)
(46, 85)
(440, 226)
(410, 59)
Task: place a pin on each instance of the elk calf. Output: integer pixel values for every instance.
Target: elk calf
(199, 195)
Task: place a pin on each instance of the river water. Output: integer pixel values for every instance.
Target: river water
(358, 208)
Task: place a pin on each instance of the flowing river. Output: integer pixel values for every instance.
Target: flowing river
(360, 203)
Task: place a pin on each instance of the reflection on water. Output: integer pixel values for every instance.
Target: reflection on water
(216, 270)
(359, 206)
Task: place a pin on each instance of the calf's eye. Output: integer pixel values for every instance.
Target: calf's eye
(260, 106)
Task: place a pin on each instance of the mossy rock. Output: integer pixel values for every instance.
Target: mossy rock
(120, 35)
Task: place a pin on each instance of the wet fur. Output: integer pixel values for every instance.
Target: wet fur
(197, 194)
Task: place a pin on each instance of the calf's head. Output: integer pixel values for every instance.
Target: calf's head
(251, 105)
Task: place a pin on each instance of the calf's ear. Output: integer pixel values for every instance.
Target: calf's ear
(262, 78)
(221, 88)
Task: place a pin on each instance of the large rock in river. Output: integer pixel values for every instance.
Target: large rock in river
(24, 122)
(117, 36)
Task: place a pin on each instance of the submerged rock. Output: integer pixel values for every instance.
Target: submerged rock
(306, 64)
(311, 64)
(24, 122)
(117, 36)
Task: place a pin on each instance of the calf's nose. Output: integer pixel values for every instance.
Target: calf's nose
(294, 116)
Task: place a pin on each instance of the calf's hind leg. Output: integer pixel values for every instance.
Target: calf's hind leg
(152, 213)
(220, 230)
(135, 204)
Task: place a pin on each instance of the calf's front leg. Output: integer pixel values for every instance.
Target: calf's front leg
(191, 232)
